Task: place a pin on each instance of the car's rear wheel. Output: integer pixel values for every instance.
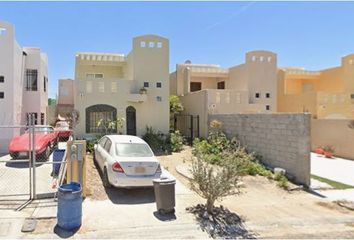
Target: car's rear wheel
(14, 155)
(105, 180)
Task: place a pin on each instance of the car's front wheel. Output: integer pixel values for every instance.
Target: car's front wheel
(105, 179)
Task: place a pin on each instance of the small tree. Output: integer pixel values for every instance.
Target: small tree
(111, 125)
(216, 182)
(175, 105)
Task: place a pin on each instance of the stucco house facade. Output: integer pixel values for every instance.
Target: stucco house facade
(206, 89)
(23, 84)
(326, 94)
(108, 86)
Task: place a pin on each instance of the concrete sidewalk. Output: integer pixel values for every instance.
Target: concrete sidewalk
(336, 169)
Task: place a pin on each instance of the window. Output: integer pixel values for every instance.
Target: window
(352, 96)
(2, 31)
(217, 97)
(2, 79)
(28, 118)
(94, 75)
(195, 86)
(269, 59)
(42, 118)
(146, 84)
(108, 145)
(142, 44)
(227, 98)
(261, 58)
(99, 112)
(151, 44)
(102, 142)
(159, 45)
(133, 150)
(257, 95)
(221, 85)
(45, 80)
(158, 85)
(267, 95)
(101, 87)
(2, 95)
(267, 107)
(31, 79)
(113, 87)
(89, 86)
(253, 58)
(158, 98)
(351, 61)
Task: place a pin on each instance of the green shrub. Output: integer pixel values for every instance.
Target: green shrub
(156, 140)
(282, 180)
(90, 145)
(175, 141)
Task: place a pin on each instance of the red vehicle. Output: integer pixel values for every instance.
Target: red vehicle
(45, 140)
(63, 129)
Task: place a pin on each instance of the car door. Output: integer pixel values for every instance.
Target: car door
(99, 150)
(106, 153)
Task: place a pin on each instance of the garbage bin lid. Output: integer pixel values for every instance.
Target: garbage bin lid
(70, 188)
(165, 180)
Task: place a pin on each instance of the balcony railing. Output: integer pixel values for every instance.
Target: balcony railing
(302, 72)
(208, 70)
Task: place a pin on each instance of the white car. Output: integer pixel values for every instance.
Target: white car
(126, 161)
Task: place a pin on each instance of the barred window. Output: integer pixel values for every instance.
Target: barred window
(28, 118)
(31, 79)
(2, 79)
(42, 118)
(45, 81)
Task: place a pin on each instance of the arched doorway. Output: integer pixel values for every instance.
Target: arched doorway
(97, 112)
(131, 120)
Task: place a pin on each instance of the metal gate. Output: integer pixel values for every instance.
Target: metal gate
(26, 174)
(188, 125)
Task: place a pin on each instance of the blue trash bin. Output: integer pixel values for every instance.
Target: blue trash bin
(58, 156)
(69, 206)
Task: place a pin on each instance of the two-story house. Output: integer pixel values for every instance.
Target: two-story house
(23, 84)
(134, 87)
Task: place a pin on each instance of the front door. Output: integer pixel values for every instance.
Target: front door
(131, 120)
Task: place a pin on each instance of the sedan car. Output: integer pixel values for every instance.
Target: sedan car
(63, 129)
(45, 140)
(126, 161)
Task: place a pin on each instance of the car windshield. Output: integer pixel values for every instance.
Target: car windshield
(133, 150)
(62, 124)
(44, 129)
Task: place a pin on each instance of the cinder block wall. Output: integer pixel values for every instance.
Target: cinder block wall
(283, 140)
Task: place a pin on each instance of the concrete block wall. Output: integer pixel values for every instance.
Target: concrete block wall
(283, 140)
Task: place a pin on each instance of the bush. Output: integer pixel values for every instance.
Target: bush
(176, 141)
(156, 140)
(282, 180)
(90, 145)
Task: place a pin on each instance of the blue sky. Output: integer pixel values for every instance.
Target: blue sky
(311, 35)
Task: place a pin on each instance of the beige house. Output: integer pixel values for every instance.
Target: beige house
(135, 87)
(65, 102)
(205, 89)
(23, 84)
(326, 94)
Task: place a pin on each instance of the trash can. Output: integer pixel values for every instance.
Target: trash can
(165, 195)
(69, 206)
(58, 156)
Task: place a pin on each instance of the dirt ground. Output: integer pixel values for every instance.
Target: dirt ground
(269, 211)
(272, 212)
